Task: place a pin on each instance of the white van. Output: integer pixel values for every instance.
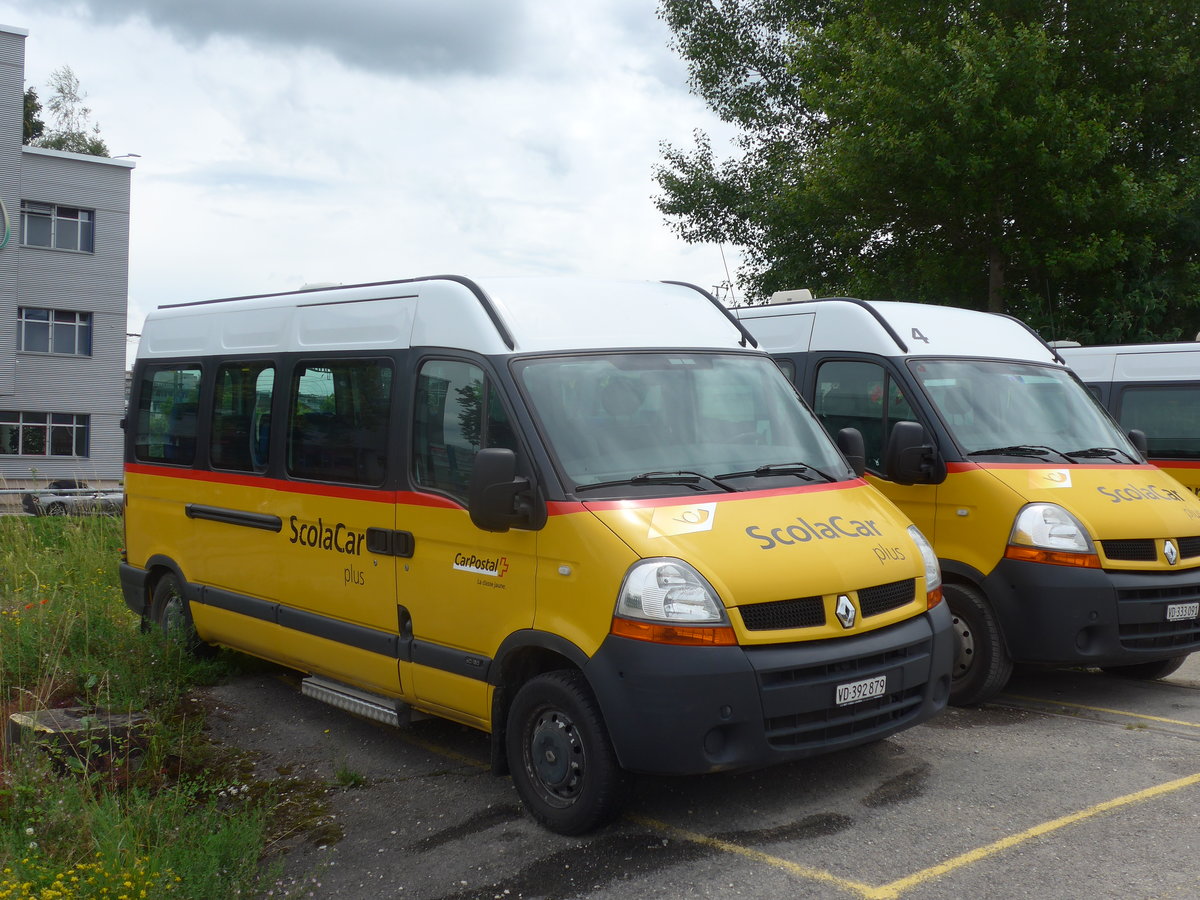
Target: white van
(1059, 544)
(585, 517)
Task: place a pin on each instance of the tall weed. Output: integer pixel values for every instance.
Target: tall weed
(151, 812)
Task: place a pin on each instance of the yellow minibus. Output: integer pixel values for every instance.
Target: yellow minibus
(1155, 389)
(586, 517)
(1059, 544)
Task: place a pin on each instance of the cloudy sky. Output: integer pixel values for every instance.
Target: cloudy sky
(285, 142)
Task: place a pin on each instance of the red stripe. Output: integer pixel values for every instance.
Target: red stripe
(969, 466)
(1177, 463)
(341, 492)
(414, 498)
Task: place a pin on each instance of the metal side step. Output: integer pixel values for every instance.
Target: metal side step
(360, 702)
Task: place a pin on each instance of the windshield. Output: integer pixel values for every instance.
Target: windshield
(995, 408)
(674, 423)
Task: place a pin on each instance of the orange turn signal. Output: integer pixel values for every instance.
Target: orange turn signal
(682, 635)
(1053, 557)
(933, 598)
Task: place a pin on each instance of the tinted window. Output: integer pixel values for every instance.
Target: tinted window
(168, 400)
(338, 420)
(241, 426)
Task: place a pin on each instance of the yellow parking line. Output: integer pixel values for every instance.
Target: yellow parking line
(776, 862)
(1114, 712)
(896, 888)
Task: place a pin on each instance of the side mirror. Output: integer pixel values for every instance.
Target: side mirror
(500, 499)
(1137, 437)
(850, 442)
(910, 457)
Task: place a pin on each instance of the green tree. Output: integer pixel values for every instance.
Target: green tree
(1039, 157)
(33, 126)
(73, 130)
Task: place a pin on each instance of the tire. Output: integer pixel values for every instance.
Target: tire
(562, 761)
(56, 509)
(172, 614)
(982, 665)
(1149, 671)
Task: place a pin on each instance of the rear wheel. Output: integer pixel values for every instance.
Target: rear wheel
(562, 761)
(982, 666)
(171, 612)
(1150, 671)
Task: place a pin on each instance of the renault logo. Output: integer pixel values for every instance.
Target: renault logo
(845, 611)
(1170, 552)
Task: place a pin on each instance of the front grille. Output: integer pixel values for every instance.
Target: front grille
(803, 612)
(840, 722)
(1130, 550)
(1146, 549)
(1176, 594)
(1160, 635)
(886, 597)
(1189, 547)
(819, 725)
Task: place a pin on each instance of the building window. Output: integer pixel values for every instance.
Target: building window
(57, 227)
(43, 434)
(55, 331)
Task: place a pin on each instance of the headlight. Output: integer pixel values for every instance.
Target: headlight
(1047, 526)
(668, 590)
(933, 571)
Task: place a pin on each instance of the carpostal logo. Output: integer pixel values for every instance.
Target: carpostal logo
(1133, 492)
(801, 531)
(481, 565)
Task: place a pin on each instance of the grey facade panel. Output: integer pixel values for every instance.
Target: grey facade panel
(95, 282)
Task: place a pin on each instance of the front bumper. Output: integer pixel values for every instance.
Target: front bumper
(691, 710)
(1059, 615)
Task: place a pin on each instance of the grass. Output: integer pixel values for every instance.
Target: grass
(159, 813)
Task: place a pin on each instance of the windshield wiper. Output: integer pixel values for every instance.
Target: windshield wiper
(1021, 450)
(798, 469)
(687, 478)
(1101, 452)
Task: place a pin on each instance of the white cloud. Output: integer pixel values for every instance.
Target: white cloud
(289, 141)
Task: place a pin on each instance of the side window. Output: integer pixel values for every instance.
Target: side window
(862, 395)
(1170, 417)
(241, 423)
(787, 366)
(167, 407)
(456, 414)
(338, 420)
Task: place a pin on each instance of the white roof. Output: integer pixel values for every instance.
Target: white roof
(889, 328)
(1135, 362)
(509, 315)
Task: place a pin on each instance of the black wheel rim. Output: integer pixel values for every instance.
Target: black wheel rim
(554, 758)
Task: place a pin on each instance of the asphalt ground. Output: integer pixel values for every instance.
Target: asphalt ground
(1072, 784)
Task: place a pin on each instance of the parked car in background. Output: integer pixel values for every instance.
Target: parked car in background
(71, 497)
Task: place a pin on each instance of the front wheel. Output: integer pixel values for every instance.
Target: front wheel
(1149, 671)
(982, 666)
(562, 761)
(170, 611)
(56, 509)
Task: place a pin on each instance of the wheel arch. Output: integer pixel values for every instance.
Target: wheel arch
(522, 656)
